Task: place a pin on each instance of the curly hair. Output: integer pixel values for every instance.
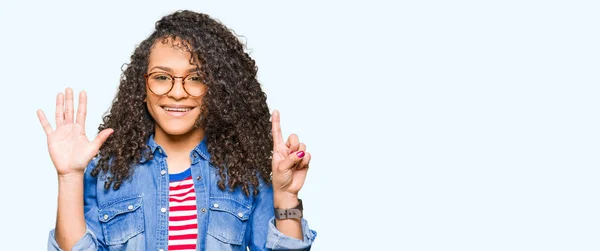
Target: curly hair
(234, 112)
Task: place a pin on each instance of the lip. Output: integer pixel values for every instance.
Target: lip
(178, 106)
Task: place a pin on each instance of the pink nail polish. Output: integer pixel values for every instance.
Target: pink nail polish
(300, 154)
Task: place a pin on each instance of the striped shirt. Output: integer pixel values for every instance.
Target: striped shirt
(183, 218)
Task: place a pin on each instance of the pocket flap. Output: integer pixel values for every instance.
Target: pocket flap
(231, 206)
(112, 209)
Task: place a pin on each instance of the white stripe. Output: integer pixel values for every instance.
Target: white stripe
(182, 242)
(183, 222)
(182, 195)
(183, 203)
(182, 232)
(183, 213)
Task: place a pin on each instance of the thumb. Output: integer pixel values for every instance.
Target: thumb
(101, 138)
(293, 160)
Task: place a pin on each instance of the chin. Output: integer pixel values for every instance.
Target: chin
(177, 130)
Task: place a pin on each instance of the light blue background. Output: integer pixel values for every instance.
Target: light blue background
(434, 125)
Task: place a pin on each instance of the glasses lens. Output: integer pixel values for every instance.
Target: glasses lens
(194, 85)
(160, 83)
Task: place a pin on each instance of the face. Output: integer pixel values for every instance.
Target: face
(175, 112)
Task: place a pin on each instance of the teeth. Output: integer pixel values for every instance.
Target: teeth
(170, 109)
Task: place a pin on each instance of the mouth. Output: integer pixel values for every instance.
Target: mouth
(177, 110)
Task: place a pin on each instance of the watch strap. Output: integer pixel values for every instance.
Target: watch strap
(290, 213)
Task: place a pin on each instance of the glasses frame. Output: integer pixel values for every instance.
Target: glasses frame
(172, 83)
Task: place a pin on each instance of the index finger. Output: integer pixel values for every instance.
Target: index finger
(276, 129)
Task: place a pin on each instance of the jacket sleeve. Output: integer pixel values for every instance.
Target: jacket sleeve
(92, 239)
(263, 233)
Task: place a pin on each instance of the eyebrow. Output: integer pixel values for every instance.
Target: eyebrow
(164, 68)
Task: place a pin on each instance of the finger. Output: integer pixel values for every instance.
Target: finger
(59, 117)
(101, 138)
(82, 109)
(302, 147)
(292, 161)
(293, 143)
(276, 130)
(69, 106)
(305, 161)
(45, 124)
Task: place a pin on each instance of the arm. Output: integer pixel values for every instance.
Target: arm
(264, 235)
(70, 151)
(289, 227)
(289, 167)
(88, 239)
(70, 222)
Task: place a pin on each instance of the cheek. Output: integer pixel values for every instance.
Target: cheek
(152, 105)
(199, 101)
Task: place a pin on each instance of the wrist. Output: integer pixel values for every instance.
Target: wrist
(70, 178)
(285, 200)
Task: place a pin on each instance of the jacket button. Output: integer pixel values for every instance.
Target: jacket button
(203, 210)
(164, 210)
(130, 207)
(163, 172)
(240, 215)
(199, 178)
(216, 205)
(106, 217)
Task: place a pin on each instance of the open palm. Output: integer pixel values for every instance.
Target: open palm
(69, 147)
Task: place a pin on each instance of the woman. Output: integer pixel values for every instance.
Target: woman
(184, 157)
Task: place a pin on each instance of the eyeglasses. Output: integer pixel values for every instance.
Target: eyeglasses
(161, 83)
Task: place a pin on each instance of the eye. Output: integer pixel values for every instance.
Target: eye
(194, 78)
(161, 77)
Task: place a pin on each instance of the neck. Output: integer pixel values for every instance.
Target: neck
(179, 144)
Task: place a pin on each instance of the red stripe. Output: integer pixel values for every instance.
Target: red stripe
(182, 208)
(184, 227)
(180, 247)
(182, 218)
(182, 200)
(183, 237)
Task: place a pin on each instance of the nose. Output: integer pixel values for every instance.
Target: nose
(177, 92)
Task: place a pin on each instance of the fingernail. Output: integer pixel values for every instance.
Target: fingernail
(300, 154)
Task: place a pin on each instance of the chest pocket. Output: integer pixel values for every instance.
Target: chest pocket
(228, 220)
(121, 220)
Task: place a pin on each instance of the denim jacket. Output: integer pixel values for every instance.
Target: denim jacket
(136, 216)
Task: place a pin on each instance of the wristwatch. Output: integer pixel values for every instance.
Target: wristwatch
(290, 213)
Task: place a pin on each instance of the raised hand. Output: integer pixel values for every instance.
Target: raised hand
(69, 147)
(290, 161)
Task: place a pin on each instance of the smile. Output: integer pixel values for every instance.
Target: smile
(177, 109)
